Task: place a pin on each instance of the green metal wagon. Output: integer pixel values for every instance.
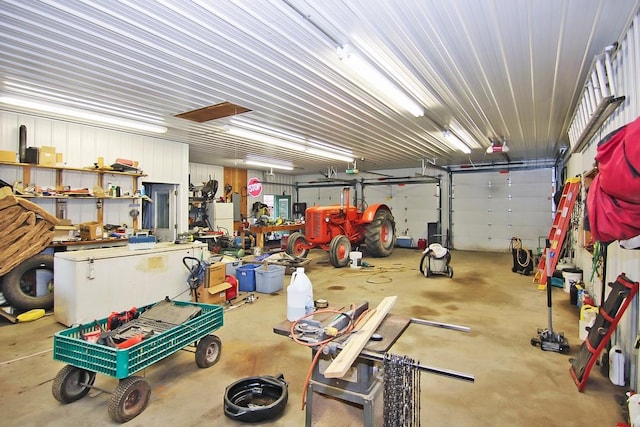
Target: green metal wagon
(85, 358)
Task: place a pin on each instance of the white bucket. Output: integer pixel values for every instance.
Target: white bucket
(356, 259)
(571, 276)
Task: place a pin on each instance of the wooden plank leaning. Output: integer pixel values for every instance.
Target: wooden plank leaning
(351, 350)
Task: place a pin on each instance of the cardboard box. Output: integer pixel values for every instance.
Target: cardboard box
(63, 233)
(8, 156)
(216, 294)
(215, 274)
(47, 156)
(90, 231)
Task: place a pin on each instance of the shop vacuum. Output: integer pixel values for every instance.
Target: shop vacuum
(547, 339)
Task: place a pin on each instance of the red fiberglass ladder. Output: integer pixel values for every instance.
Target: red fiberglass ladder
(558, 230)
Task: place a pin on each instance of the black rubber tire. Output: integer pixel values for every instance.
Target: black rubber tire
(208, 351)
(129, 399)
(72, 384)
(19, 293)
(339, 250)
(380, 235)
(293, 245)
(450, 272)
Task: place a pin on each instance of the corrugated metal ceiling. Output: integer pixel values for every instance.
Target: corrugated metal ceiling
(490, 69)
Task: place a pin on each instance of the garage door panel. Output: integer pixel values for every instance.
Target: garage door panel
(515, 204)
(413, 205)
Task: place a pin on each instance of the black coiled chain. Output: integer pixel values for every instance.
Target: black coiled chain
(401, 394)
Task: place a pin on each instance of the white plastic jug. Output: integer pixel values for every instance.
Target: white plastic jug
(299, 295)
(616, 365)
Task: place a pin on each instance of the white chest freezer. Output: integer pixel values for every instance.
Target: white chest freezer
(90, 284)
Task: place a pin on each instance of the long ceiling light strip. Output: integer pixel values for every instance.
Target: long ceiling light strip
(81, 114)
(453, 140)
(260, 137)
(288, 140)
(378, 82)
(269, 165)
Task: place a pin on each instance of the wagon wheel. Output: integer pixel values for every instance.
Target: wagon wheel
(208, 351)
(449, 271)
(129, 399)
(72, 384)
(339, 250)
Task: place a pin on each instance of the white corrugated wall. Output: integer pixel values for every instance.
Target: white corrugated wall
(161, 160)
(626, 69)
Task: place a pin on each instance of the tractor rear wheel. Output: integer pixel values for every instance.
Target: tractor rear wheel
(339, 250)
(380, 234)
(296, 245)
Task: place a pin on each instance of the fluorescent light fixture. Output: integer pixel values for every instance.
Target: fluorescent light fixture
(280, 139)
(378, 82)
(453, 140)
(463, 135)
(81, 114)
(258, 127)
(329, 155)
(269, 165)
(260, 137)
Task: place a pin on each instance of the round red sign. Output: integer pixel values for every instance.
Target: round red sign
(254, 187)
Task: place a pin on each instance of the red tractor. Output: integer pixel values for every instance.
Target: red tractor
(339, 227)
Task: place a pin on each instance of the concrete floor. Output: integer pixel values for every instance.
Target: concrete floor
(516, 384)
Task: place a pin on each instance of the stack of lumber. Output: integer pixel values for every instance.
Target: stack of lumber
(26, 230)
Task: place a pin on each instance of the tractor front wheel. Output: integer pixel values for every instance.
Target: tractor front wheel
(296, 245)
(339, 250)
(380, 234)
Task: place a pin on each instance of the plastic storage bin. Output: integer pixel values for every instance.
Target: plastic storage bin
(269, 280)
(404, 241)
(232, 266)
(246, 277)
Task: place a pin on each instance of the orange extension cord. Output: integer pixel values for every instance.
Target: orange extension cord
(322, 344)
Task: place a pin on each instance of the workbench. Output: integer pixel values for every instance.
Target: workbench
(261, 230)
(78, 245)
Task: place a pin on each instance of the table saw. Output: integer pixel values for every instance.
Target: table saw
(363, 381)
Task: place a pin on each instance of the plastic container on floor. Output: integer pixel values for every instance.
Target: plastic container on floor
(269, 278)
(299, 295)
(571, 275)
(616, 365)
(404, 241)
(247, 277)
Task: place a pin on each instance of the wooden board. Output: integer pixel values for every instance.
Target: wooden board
(350, 352)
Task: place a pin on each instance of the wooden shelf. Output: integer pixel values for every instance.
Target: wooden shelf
(61, 200)
(71, 169)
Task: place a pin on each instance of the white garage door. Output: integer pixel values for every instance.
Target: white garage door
(489, 208)
(413, 206)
